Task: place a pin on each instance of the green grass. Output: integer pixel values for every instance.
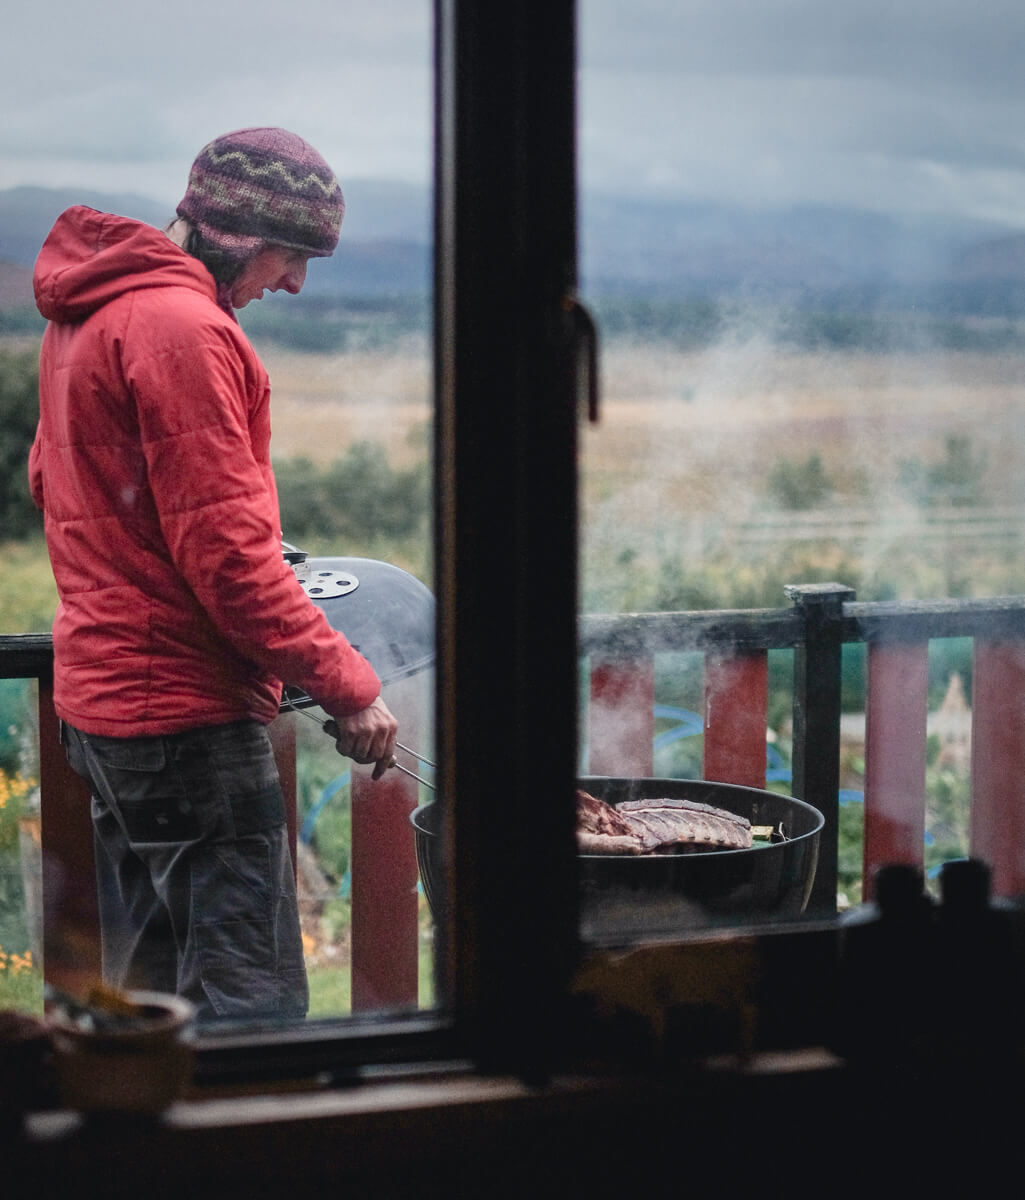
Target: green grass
(28, 597)
(20, 988)
(331, 986)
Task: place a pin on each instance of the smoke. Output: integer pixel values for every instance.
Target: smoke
(679, 508)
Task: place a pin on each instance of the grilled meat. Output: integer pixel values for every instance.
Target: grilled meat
(663, 826)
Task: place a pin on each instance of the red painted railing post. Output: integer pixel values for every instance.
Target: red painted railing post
(998, 763)
(282, 733)
(621, 717)
(385, 951)
(736, 704)
(71, 923)
(896, 709)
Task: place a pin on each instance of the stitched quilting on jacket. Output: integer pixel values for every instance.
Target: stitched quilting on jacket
(152, 467)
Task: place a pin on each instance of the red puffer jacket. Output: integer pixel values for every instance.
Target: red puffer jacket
(152, 466)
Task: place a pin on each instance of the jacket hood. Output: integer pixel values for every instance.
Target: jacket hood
(90, 258)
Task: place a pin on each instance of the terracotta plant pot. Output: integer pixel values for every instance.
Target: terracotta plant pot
(138, 1063)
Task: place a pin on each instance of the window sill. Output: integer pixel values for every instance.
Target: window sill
(441, 1119)
(467, 1134)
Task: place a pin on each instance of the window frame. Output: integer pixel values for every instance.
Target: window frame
(506, 348)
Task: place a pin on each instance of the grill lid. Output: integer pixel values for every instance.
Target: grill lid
(386, 613)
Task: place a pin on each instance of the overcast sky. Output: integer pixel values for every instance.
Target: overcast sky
(906, 105)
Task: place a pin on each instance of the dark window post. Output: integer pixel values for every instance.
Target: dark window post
(506, 347)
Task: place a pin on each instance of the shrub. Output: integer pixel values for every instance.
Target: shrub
(954, 479)
(358, 496)
(798, 486)
(19, 415)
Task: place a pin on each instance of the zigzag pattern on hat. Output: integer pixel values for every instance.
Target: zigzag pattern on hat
(225, 193)
(276, 167)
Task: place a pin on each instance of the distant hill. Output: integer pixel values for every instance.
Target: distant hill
(664, 247)
(805, 256)
(1000, 258)
(385, 246)
(15, 285)
(27, 213)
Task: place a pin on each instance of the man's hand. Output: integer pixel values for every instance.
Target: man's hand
(367, 736)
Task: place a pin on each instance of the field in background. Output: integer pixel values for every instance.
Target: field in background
(323, 403)
(712, 422)
(700, 429)
(675, 477)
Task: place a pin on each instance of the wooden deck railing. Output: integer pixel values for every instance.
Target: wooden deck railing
(621, 652)
(821, 619)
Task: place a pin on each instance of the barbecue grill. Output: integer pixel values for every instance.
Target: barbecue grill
(388, 615)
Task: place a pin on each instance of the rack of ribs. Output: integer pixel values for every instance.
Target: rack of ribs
(664, 826)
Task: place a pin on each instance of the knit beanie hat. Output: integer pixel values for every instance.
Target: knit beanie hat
(258, 186)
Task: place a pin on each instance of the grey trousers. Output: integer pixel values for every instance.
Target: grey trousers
(195, 881)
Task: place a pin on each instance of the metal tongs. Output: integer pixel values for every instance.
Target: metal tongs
(406, 771)
(397, 765)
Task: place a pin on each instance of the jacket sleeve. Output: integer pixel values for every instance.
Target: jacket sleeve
(202, 401)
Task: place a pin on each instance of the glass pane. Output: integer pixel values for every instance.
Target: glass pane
(125, 113)
(801, 239)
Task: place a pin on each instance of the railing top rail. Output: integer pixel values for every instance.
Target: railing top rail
(26, 655)
(627, 635)
(917, 620)
(632, 635)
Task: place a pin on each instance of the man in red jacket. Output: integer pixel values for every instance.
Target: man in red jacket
(179, 617)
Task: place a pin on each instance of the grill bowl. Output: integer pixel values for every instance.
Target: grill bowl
(651, 893)
(627, 894)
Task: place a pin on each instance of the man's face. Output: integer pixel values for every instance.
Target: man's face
(273, 269)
